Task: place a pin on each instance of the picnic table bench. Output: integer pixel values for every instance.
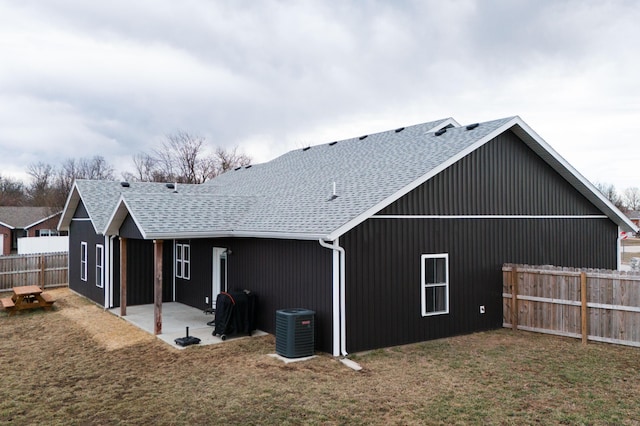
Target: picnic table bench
(27, 297)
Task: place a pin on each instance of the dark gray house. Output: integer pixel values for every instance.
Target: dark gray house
(391, 238)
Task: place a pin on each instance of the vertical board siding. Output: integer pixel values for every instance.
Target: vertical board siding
(282, 273)
(502, 177)
(549, 300)
(81, 230)
(285, 274)
(383, 270)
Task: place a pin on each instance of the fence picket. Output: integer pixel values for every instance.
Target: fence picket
(605, 307)
(44, 270)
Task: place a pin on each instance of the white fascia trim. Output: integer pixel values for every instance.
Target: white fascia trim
(67, 214)
(118, 216)
(231, 234)
(489, 216)
(588, 185)
(42, 220)
(65, 218)
(416, 183)
(6, 225)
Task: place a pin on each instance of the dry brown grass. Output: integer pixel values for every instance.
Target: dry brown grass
(80, 365)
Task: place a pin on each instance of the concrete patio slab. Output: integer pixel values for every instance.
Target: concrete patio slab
(175, 318)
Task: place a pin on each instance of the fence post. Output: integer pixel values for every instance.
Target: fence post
(42, 261)
(583, 306)
(514, 297)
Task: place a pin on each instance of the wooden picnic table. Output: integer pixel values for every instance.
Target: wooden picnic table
(27, 297)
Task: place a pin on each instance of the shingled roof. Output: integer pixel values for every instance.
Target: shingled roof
(24, 217)
(316, 192)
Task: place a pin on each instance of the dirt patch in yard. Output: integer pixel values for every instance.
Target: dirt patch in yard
(81, 365)
(109, 331)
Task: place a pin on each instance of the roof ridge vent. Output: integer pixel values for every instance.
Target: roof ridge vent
(248, 166)
(169, 185)
(125, 184)
(472, 126)
(399, 129)
(441, 132)
(333, 143)
(306, 148)
(237, 168)
(363, 137)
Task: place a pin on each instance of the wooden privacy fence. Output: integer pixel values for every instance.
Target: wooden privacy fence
(590, 304)
(43, 270)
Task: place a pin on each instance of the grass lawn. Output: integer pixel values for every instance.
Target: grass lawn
(80, 365)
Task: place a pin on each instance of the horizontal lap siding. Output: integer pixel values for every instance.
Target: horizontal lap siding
(383, 270)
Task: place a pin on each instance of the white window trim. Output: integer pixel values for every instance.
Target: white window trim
(183, 261)
(424, 285)
(99, 265)
(83, 261)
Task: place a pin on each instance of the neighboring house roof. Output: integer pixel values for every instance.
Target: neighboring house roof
(292, 195)
(24, 217)
(634, 215)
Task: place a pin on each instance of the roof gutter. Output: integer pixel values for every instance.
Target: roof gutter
(339, 311)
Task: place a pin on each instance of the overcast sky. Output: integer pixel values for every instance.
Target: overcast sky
(84, 78)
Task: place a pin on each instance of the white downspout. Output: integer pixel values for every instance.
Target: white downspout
(110, 272)
(106, 267)
(619, 248)
(339, 305)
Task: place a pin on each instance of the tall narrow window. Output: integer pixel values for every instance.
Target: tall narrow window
(99, 265)
(83, 261)
(178, 260)
(435, 284)
(183, 261)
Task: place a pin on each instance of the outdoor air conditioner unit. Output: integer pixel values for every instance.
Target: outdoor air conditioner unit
(295, 332)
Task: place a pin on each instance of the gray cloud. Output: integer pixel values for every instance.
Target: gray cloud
(86, 78)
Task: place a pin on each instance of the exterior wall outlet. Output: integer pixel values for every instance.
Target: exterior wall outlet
(482, 311)
(206, 299)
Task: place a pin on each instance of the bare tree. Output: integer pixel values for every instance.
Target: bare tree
(632, 198)
(12, 192)
(609, 191)
(184, 158)
(227, 160)
(39, 192)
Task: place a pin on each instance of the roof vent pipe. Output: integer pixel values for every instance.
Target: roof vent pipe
(124, 184)
(472, 126)
(175, 188)
(333, 195)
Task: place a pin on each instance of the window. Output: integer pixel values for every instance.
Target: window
(183, 261)
(83, 261)
(435, 284)
(99, 265)
(47, 233)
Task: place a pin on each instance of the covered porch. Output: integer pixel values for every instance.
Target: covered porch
(175, 318)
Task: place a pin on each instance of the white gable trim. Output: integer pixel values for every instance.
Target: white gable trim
(413, 185)
(70, 207)
(535, 142)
